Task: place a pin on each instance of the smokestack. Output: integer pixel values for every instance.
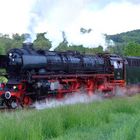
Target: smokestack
(27, 45)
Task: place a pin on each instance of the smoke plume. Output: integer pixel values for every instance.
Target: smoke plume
(83, 97)
(67, 100)
(58, 16)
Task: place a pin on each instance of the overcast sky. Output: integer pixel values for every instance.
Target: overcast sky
(54, 16)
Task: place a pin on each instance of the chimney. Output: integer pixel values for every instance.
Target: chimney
(27, 45)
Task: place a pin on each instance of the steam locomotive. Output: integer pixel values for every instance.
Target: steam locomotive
(36, 74)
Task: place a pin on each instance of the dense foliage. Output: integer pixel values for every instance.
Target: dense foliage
(126, 37)
(41, 42)
(125, 44)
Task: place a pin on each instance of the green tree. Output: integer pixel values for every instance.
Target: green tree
(5, 43)
(132, 49)
(42, 42)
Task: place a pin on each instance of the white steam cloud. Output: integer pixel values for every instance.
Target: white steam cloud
(55, 16)
(68, 100)
(108, 16)
(59, 16)
(83, 97)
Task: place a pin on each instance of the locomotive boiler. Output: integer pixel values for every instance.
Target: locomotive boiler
(46, 62)
(36, 74)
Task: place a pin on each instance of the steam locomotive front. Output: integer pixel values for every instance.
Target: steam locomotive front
(25, 58)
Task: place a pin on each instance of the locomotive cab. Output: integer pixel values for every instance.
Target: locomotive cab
(118, 65)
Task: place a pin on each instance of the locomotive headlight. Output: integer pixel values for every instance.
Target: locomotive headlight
(10, 54)
(14, 87)
(7, 95)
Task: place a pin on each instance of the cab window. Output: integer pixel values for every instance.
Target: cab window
(117, 64)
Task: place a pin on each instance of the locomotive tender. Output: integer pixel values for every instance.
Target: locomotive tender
(36, 74)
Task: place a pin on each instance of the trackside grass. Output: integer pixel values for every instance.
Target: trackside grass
(110, 119)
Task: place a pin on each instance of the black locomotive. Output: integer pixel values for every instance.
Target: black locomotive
(26, 59)
(34, 74)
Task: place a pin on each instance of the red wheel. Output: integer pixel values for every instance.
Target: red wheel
(27, 101)
(90, 87)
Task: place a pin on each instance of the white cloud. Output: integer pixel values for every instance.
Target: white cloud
(117, 17)
(55, 16)
(14, 15)
(113, 18)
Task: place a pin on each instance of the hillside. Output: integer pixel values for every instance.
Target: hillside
(126, 43)
(125, 37)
